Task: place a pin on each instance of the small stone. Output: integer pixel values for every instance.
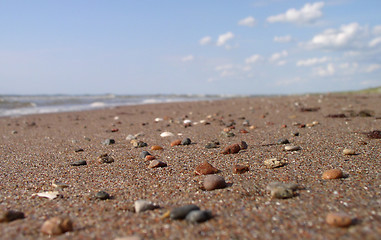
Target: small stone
(59, 185)
(10, 215)
(243, 131)
(108, 141)
(138, 144)
(156, 147)
(227, 134)
(14, 132)
(50, 194)
(150, 158)
(332, 174)
(338, 219)
(105, 158)
(144, 154)
(156, 164)
(295, 134)
(281, 190)
(292, 148)
(246, 123)
(211, 145)
(376, 134)
(186, 141)
(78, 150)
(167, 134)
(102, 195)
(252, 127)
(205, 168)
(182, 212)
(130, 137)
(144, 205)
(283, 141)
(349, 151)
(198, 216)
(176, 143)
(235, 148)
(243, 145)
(57, 226)
(79, 163)
(239, 169)
(274, 163)
(212, 182)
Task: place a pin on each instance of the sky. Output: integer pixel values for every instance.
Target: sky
(246, 47)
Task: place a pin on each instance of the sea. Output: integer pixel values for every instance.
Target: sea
(17, 105)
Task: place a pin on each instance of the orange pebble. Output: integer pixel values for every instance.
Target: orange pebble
(150, 157)
(176, 143)
(156, 147)
(332, 174)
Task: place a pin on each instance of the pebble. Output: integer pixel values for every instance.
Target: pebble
(10, 215)
(235, 148)
(227, 134)
(281, 190)
(138, 144)
(176, 143)
(79, 163)
(167, 134)
(150, 157)
(212, 182)
(338, 219)
(186, 141)
(144, 154)
(105, 158)
(211, 145)
(283, 141)
(102, 195)
(243, 131)
(156, 147)
(128, 238)
(246, 123)
(59, 185)
(243, 145)
(57, 226)
(332, 174)
(205, 168)
(78, 150)
(295, 134)
(292, 148)
(144, 205)
(239, 169)
(156, 164)
(183, 211)
(50, 194)
(108, 141)
(198, 216)
(130, 137)
(347, 151)
(274, 162)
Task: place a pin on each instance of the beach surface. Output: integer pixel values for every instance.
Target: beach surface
(38, 150)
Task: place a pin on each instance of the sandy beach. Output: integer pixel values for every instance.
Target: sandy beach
(37, 150)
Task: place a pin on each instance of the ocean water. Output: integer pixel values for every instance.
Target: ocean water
(16, 105)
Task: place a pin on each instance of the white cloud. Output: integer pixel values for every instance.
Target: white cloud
(288, 82)
(187, 58)
(374, 42)
(311, 61)
(253, 59)
(277, 56)
(223, 38)
(372, 68)
(377, 30)
(224, 67)
(281, 63)
(283, 39)
(347, 36)
(249, 22)
(329, 70)
(205, 40)
(308, 14)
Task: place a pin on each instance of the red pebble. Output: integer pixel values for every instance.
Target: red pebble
(235, 148)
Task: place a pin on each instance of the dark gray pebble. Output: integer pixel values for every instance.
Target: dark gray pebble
(79, 163)
(211, 145)
(283, 141)
(102, 195)
(182, 212)
(11, 215)
(198, 216)
(295, 134)
(108, 141)
(78, 150)
(186, 141)
(144, 154)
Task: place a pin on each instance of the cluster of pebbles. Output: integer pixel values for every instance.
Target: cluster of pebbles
(229, 163)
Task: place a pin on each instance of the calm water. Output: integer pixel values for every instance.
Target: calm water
(15, 105)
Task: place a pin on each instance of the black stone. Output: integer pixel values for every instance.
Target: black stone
(182, 212)
(102, 195)
(79, 163)
(186, 141)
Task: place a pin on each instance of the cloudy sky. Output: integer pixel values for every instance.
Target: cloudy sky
(189, 47)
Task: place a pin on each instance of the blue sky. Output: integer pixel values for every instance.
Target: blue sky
(189, 47)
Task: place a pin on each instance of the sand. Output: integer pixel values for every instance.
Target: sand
(37, 149)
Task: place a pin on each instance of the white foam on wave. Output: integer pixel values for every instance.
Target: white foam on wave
(98, 104)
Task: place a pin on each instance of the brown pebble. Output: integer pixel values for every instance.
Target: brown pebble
(105, 158)
(150, 157)
(57, 226)
(239, 169)
(338, 219)
(212, 182)
(235, 148)
(243, 131)
(205, 168)
(156, 164)
(349, 151)
(332, 174)
(156, 147)
(176, 143)
(10, 215)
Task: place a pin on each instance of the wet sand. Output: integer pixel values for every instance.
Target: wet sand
(37, 149)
